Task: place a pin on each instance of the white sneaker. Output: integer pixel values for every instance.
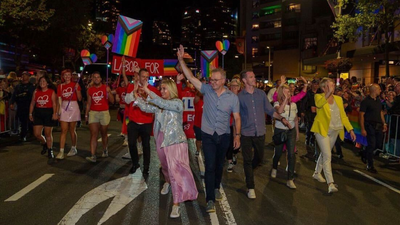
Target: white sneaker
(273, 173)
(175, 213)
(139, 148)
(251, 194)
(332, 188)
(290, 184)
(127, 156)
(230, 168)
(105, 154)
(125, 143)
(72, 152)
(319, 177)
(60, 155)
(165, 189)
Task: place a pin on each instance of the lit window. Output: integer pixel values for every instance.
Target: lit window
(310, 43)
(254, 52)
(294, 8)
(255, 27)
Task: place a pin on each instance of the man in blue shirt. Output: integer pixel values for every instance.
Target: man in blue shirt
(219, 104)
(254, 104)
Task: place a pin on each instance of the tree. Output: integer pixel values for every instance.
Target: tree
(369, 14)
(23, 20)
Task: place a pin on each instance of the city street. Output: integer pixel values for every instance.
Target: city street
(75, 191)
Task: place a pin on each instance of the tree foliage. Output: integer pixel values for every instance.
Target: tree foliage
(380, 15)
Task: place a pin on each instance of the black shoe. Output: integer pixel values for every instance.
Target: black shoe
(50, 154)
(146, 170)
(371, 169)
(363, 159)
(197, 153)
(44, 150)
(134, 168)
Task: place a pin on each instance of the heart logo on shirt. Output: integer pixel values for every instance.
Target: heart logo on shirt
(97, 97)
(42, 100)
(67, 92)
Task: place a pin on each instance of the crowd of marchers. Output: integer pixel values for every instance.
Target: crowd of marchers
(230, 118)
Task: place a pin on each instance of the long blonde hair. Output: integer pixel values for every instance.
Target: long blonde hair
(281, 96)
(171, 86)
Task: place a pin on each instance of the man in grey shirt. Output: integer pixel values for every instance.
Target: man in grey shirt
(253, 106)
(219, 104)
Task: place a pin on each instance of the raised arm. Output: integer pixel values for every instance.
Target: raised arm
(188, 73)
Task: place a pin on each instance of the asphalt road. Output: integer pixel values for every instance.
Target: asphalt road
(75, 191)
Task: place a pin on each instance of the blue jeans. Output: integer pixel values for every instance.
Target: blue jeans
(214, 148)
(290, 144)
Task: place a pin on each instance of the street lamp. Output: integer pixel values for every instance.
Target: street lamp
(269, 64)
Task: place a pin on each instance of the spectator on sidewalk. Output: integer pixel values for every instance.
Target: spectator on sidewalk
(21, 99)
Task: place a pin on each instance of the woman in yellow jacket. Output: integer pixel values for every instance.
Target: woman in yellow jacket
(328, 124)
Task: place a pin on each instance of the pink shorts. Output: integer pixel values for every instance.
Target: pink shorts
(73, 113)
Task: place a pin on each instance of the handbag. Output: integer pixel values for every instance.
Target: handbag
(281, 137)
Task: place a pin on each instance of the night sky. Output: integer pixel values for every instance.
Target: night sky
(170, 11)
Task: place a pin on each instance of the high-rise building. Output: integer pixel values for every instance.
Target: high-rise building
(203, 26)
(108, 11)
(192, 28)
(277, 31)
(161, 34)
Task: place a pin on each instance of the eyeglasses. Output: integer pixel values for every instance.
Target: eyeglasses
(215, 80)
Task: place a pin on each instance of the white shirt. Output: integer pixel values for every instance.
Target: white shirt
(336, 121)
(293, 114)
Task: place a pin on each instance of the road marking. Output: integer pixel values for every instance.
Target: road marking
(378, 181)
(108, 135)
(29, 188)
(122, 190)
(224, 204)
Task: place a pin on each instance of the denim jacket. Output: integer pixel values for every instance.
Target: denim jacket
(168, 118)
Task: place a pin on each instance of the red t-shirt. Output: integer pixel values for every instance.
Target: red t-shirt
(121, 91)
(43, 98)
(135, 114)
(198, 112)
(99, 98)
(65, 90)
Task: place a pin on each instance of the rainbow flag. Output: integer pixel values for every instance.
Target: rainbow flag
(353, 118)
(170, 66)
(209, 59)
(127, 36)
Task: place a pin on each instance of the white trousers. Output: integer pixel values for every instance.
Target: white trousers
(324, 160)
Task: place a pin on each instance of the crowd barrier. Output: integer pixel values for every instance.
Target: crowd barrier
(391, 141)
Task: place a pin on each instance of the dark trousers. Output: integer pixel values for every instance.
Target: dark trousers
(214, 149)
(251, 157)
(374, 140)
(290, 144)
(23, 117)
(231, 151)
(338, 146)
(134, 131)
(309, 122)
